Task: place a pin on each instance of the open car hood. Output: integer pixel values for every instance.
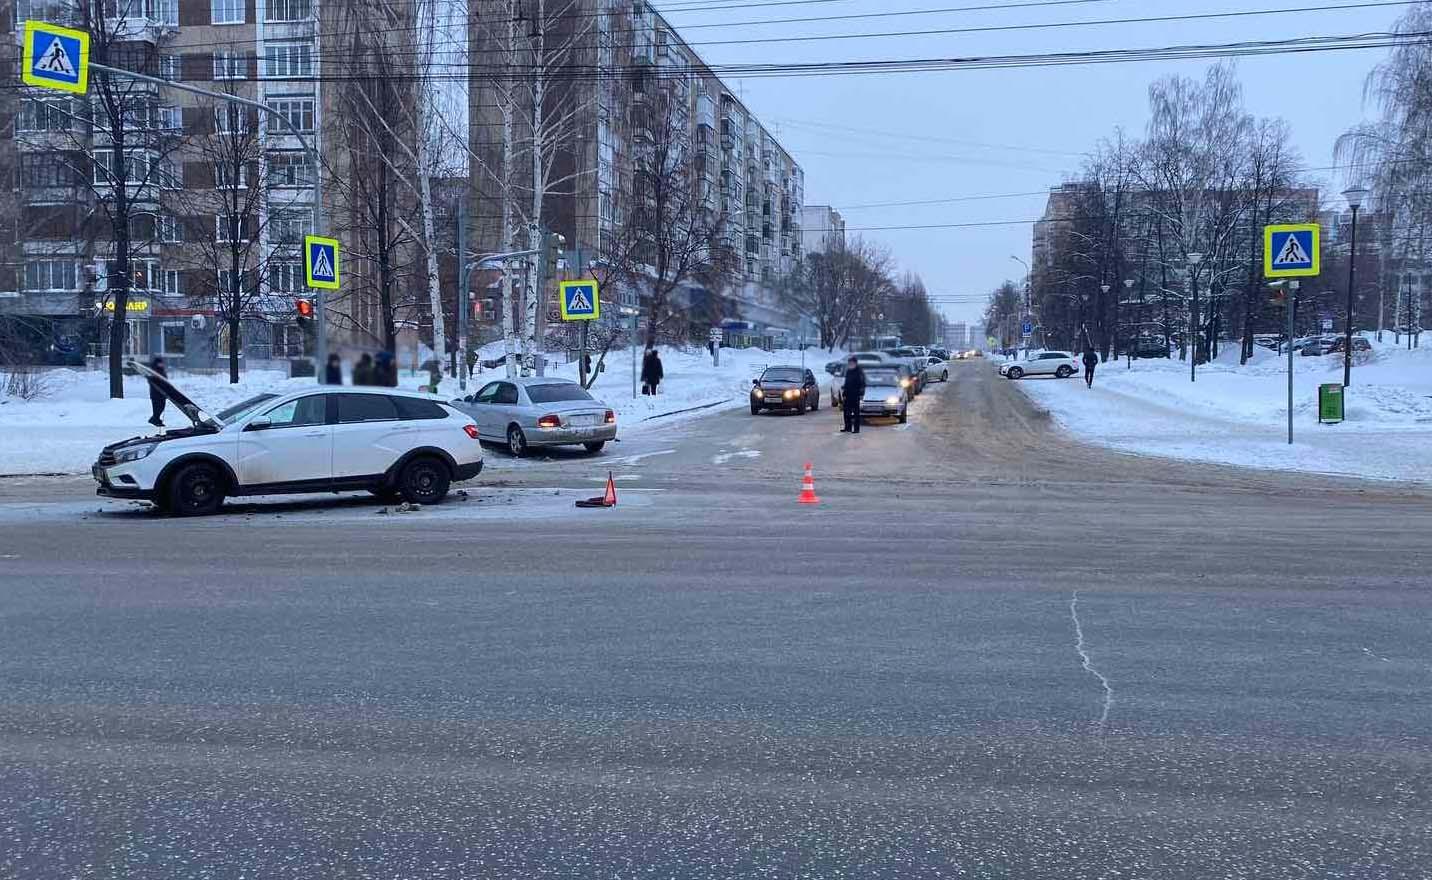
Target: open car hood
(188, 407)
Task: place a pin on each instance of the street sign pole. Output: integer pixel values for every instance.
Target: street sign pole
(1292, 305)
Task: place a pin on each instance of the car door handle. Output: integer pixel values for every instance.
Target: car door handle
(316, 434)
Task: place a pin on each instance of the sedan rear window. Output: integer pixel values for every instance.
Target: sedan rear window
(556, 392)
(414, 408)
(365, 408)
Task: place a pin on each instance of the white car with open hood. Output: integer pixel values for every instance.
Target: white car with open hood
(323, 438)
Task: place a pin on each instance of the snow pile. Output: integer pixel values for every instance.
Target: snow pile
(64, 431)
(1238, 415)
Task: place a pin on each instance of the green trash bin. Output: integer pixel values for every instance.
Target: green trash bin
(1330, 403)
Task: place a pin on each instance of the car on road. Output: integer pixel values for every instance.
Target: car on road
(533, 411)
(916, 361)
(1061, 364)
(394, 444)
(884, 395)
(788, 388)
(941, 353)
(903, 377)
(937, 369)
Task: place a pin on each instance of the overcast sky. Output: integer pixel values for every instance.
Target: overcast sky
(865, 140)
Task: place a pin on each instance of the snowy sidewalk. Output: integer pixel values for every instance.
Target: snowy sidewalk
(1238, 415)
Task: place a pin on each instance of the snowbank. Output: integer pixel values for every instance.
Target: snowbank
(1238, 415)
(64, 431)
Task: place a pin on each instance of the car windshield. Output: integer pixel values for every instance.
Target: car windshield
(782, 374)
(557, 392)
(239, 410)
(882, 377)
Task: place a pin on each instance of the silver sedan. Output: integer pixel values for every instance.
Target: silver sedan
(528, 412)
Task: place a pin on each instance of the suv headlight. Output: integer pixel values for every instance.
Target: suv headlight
(134, 453)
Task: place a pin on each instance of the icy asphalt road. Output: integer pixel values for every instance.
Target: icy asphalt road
(989, 652)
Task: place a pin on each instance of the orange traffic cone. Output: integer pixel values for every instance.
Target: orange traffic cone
(610, 498)
(808, 487)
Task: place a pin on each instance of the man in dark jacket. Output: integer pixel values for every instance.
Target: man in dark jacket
(385, 370)
(363, 370)
(850, 395)
(651, 371)
(333, 371)
(156, 397)
(1091, 360)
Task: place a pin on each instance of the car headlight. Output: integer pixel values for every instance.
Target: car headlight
(893, 401)
(756, 392)
(904, 383)
(134, 453)
(792, 394)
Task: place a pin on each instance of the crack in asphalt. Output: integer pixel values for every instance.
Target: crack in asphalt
(1087, 663)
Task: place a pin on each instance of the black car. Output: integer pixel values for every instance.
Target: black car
(792, 388)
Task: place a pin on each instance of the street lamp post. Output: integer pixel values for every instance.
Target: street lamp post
(1104, 288)
(1128, 349)
(1354, 198)
(1193, 260)
(1028, 302)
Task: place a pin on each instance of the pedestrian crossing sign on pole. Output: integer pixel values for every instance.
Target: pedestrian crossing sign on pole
(1291, 251)
(56, 57)
(579, 300)
(320, 261)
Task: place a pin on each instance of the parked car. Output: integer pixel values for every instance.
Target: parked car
(1267, 340)
(941, 353)
(937, 369)
(395, 444)
(1150, 348)
(884, 395)
(903, 378)
(789, 388)
(916, 361)
(523, 413)
(1062, 364)
(1358, 344)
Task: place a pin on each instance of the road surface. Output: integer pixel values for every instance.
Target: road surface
(990, 651)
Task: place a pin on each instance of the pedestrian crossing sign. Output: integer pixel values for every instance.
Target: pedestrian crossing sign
(56, 57)
(579, 300)
(320, 261)
(1291, 250)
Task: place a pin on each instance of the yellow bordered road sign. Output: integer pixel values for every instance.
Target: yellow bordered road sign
(55, 57)
(579, 300)
(1292, 250)
(320, 261)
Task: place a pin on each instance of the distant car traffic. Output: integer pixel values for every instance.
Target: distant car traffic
(788, 388)
(913, 357)
(394, 444)
(533, 411)
(937, 369)
(941, 353)
(1061, 364)
(884, 395)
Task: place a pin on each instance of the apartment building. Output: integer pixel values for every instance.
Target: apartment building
(745, 180)
(823, 229)
(194, 193)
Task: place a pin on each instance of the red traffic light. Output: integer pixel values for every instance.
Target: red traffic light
(305, 308)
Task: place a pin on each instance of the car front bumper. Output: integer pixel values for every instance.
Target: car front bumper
(571, 436)
(115, 482)
(880, 409)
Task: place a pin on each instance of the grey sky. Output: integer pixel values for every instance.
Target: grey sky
(1051, 114)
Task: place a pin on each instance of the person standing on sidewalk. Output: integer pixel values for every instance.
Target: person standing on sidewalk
(1091, 360)
(851, 394)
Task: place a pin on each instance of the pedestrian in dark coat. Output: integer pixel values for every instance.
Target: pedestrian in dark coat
(385, 370)
(156, 397)
(363, 370)
(651, 372)
(1091, 360)
(333, 372)
(850, 395)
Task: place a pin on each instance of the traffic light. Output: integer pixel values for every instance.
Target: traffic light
(552, 246)
(305, 308)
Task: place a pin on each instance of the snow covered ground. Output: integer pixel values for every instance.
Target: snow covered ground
(63, 431)
(1238, 415)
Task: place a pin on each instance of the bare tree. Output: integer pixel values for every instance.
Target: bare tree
(839, 288)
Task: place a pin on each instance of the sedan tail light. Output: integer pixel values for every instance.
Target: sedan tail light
(471, 431)
(549, 422)
(611, 418)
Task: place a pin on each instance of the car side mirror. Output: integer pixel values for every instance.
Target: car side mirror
(262, 423)
(755, 381)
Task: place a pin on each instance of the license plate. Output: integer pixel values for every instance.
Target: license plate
(583, 421)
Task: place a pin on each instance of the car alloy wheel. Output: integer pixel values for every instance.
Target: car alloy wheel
(516, 442)
(196, 490)
(424, 481)
(1064, 372)
(1015, 373)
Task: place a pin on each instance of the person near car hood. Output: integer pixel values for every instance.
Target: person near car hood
(156, 397)
(363, 370)
(333, 371)
(851, 393)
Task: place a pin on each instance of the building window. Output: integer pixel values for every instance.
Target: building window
(169, 67)
(298, 111)
(287, 227)
(50, 275)
(228, 175)
(230, 229)
(171, 119)
(289, 341)
(289, 10)
(231, 64)
(286, 277)
(171, 282)
(52, 114)
(227, 11)
(39, 170)
(144, 275)
(232, 119)
(284, 60)
(140, 168)
(172, 338)
(289, 169)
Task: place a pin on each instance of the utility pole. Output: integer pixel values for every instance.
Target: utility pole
(1354, 198)
(1193, 260)
(463, 308)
